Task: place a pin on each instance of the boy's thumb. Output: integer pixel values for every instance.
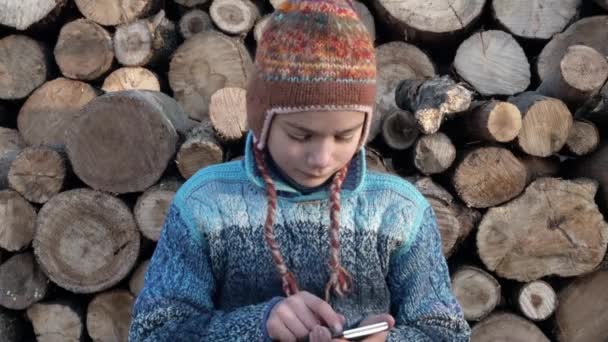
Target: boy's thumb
(379, 319)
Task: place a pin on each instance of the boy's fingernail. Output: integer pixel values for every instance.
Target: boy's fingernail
(336, 329)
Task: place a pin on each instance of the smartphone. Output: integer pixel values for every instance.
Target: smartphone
(363, 331)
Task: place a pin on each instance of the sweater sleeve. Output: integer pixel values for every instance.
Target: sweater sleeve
(422, 301)
(176, 302)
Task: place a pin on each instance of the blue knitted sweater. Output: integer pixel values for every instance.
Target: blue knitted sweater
(212, 278)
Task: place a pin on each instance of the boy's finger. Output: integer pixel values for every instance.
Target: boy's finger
(378, 319)
(278, 331)
(324, 311)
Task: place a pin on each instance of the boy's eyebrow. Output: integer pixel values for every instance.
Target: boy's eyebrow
(306, 130)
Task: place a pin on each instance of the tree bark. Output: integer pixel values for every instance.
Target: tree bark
(596, 109)
(22, 282)
(18, 221)
(477, 292)
(399, 129)
(37, 173)
(503, 326)
(25, 65)
(152, 208)
(492, 121)
(193, 22)
(109, 316)
(594, 166)
(536, 300)
(434, 153)
(235, 17)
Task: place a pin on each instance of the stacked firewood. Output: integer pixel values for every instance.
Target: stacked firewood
(496, 110)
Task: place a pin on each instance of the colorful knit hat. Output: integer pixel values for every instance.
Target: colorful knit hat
(313, 55)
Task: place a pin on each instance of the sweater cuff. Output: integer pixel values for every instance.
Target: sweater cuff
(265, 314)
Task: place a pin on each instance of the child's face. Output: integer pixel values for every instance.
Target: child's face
(311, 146)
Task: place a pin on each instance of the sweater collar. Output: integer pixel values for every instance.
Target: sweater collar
(352, 183)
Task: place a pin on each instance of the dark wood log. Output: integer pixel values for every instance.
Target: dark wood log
(25, 65)
(594, 166)
(554, 228)
(18, 219)
(131, 78)
(235, 17)
(504, 326)
(204, 64)
(434, 153)
(51, 109)
(545, 126)
(12, 326)
(191, 3)
(477, 292)
(582, 72)
(602, 3)
(489, 176)
(583, 138)
(493, 63)
(23, 14)
(109, 316)
(86, 240)
(396, 61)
(124, 141)
(193, 22)
(147, 41)
(431, 100)
(37, 173)
(595, 109)
(136, 282)
(535, 300)
(116, 12)
(492, 121)
(399, 129)
(57, 321)
(581, 315)
(22, 282)
(152, 207)
(200, 149)
(228, 113)
(537, 167)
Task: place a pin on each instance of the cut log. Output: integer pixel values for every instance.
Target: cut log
(152, 208)
(12, 326)
(554, 228)
(24, 66)
(204, 64)
(492, 121)
(594, 166)
(433, 22)
(488, 176)
(536, 300)
(200, 150)
(17, 221)
(581, 315)
(537, 167)
(22, 282)
(234, 16)
(109, 316)
(115, 12)
(51, 109)
(399, 129)
(124, 141)
(84, 50)
(374, 160)
(131, 78)
(366, 17)
(147, 41)
(545, 126)
(6, 160)
(136, 283)
(535, 19)
(86, 240)
(259, 27)
(493, 63)
(193, 22)
(602, 3)
(503, 326)
(56, 322)
(596, 108)
(37, 173)
(191, 3)
(582, 72)
(477, 292)
(396, 61)
(591, 31)
(583, 138)
(434, 153)
(228, 113)
(431, 100)
(10, 140)
(21, 14)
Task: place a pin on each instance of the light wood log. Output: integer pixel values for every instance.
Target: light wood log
(235, 17)
(477, 292)
(431, 100)
(554, 228)
(260, 26)
(152, 207)
(493, 63)
(56, 322)
(581, 315)
(539, 19)
(51, 109)
(37, 173)
(536, 300)
(200, 149)
(22, 14)
(434, 153)
(488, 176)
(583, 138)
(582, 72)
(594, 166)
(147, 41)
(84, 50)
(228, 113)
(545, 126)
(591, 31)
(109, 316)
(366, 17)
(17, 221)
(399, 129)
(115, 12)
(492, 121)
(503, 326)
(193, 22)
(24, 65)
(396, 61)
(204, 64)
(136, 283)
(130, 78)
(434, 22)
(124, 141)
(86, 240)
(22, 282)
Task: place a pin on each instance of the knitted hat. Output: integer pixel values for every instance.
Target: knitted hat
(314, 55)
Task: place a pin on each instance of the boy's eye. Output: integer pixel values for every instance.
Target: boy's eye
(299, 137)
(345, 137)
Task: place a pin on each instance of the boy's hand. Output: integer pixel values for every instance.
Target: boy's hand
(322, 334)
(296, 316)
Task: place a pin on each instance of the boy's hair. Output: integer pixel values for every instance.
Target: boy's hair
(314, 55)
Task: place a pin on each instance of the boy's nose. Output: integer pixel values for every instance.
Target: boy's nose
(319, 158)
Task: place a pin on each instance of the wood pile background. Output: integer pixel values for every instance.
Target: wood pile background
(496, 109)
